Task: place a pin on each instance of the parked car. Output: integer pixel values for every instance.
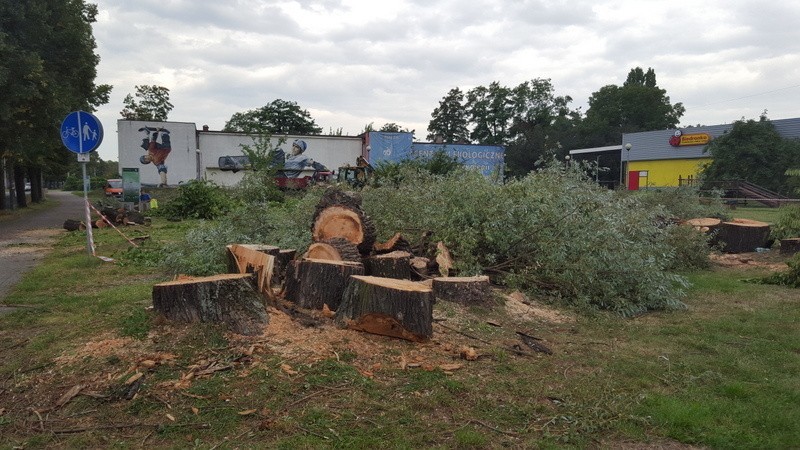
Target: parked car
(113, 188)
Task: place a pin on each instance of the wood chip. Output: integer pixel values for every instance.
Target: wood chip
(171, 417)
(469, 354)
(69, 395)
(247, 412)
(134, 377)
(288, 369)
(195, 411)
(450, 367)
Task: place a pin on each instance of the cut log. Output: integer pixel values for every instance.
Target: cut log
(339, 214)
(334, 249)
(251, 259)
(234, 263)
(313, 283)
(743, 235)
(133, 218)
(790, 246)
(388, 307)
(704, 224)
(389, 265)
(420, 268)
(443, 259)
(231, 299)
(467, 291)
(394, 244)
(74, 225)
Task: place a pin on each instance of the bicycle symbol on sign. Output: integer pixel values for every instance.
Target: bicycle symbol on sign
(70, 131)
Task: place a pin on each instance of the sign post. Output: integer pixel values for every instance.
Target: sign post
(82, 133)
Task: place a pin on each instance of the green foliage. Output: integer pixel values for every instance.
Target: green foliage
(787, 225)
(753, 151)
(789, 278)
(287, 225)
(258, 184)
(449, 119)
(276, 117)
(152, 104)
(552, 232)
(197, 199)
(683, 203)
(393, 173)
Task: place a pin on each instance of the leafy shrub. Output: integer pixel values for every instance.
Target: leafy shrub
(683, 203)
(787, 225)
(393, 173)
(552, 231)
(286, 225)
(197, 199)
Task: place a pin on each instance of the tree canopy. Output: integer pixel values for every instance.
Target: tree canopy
(151, 102)
(754, 151)
(47, 69)
(449, 119)
(638, 105)
(277, 117)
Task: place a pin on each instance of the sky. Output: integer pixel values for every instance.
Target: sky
(355, 62)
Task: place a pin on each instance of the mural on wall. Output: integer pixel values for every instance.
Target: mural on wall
(297, 161)
(157, 144)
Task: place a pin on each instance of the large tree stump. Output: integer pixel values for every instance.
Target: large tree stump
(255, 259)
(389, 265)
(334, 249)
(790, 246)
(467, 291)
(230, 298)
(743, 235)
(388, 307)
(339, 215)
(312, 283)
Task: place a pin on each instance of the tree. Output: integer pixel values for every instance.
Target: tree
(638, 105)
(753, 151)
(490, 112)
(48, 69)
(449, 119)
(392, 127)
(151, 103)
(276, 117)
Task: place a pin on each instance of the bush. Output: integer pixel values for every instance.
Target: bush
(197, 199)
(787, 225)
(393, 173)
(789, 278)
(552, 231)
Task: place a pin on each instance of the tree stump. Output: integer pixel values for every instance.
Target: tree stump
(281, 262)
(388, 307)
(334, 249)
(312, 283)
(339, 214)
(467, 291)
(230, 298)
(247, 258)
(74, 225)
(389, 265)
(743, 235)
(790, 246)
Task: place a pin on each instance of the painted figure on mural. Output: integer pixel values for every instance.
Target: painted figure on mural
(297, 161)
(157, 144)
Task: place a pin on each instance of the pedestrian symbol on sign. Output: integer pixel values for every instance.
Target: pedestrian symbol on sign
(81, 132)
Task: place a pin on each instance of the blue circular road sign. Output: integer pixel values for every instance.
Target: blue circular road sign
(81, 132)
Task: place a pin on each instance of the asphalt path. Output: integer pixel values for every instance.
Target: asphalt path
(25, 240)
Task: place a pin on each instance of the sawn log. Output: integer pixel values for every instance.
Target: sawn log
(312, 283)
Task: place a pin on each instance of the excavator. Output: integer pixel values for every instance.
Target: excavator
(356, 176)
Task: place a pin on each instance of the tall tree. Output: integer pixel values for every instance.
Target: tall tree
(277, 117)
(449, 119)
(151, 103)
(754, 151)
(638, 105)
(490, 111)
(47, 69)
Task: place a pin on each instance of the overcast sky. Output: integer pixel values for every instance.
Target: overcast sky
(352, 62)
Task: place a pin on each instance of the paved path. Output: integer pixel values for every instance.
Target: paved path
(25, 240)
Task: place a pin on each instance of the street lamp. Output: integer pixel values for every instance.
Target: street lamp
(627, 162)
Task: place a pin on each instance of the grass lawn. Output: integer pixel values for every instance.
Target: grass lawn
(762, 213)
(89, 365)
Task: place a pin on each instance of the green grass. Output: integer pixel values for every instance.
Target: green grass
(723, 373)
(761, 213)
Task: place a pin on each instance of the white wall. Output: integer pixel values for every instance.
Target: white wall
(181, 162)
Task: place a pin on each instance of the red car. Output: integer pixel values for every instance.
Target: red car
(113, 188)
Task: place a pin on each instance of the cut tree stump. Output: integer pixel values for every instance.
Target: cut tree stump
(334, 249)
(339, 215)
(467, 291)
(396, 264)
(74, 225)
(313, 283)
(394, 244)
(420, 267)
(281, 262)
(230, 298)
(255, 259)
(704, 224)
(743, 235)
(790, 246)
(388, 307)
